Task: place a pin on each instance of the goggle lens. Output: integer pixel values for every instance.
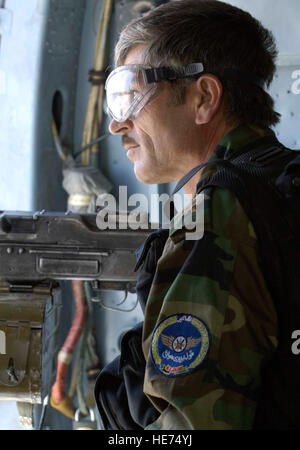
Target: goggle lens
(126, 92)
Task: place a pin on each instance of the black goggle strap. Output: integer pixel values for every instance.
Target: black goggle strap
(154, 75)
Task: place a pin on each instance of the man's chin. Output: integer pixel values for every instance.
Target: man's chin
(147, 177)
(144, 176)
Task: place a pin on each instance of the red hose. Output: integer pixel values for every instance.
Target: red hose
(66, 353)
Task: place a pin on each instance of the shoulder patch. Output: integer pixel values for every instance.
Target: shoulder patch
(180, 344)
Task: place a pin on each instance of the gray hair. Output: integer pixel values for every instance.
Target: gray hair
(220, 36)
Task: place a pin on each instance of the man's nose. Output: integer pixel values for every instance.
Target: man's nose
(120, 127)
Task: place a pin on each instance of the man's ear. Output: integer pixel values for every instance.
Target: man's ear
(207, 96)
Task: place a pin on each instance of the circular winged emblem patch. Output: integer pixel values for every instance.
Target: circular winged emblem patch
(179, 344)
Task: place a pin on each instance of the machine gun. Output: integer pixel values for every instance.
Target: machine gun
(36, 251)
(66, 246)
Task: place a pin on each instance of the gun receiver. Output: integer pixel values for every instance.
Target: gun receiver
(35, 247)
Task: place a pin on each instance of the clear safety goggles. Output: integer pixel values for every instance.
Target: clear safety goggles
(129, 88)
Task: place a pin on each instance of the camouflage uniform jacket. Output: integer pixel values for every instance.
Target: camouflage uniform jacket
(210, 320)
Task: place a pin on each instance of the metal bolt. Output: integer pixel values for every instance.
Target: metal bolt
(21, 250)
(11, 371)
(9, 250)
(12, 376)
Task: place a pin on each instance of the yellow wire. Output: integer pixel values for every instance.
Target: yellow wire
(93, 118)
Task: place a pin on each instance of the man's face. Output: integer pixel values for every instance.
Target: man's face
(157, 140)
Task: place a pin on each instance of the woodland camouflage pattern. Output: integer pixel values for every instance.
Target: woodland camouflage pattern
(218, 280)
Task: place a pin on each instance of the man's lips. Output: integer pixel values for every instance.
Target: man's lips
(128, 143)
(130, 147)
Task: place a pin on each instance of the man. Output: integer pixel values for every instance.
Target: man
(210, 321)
